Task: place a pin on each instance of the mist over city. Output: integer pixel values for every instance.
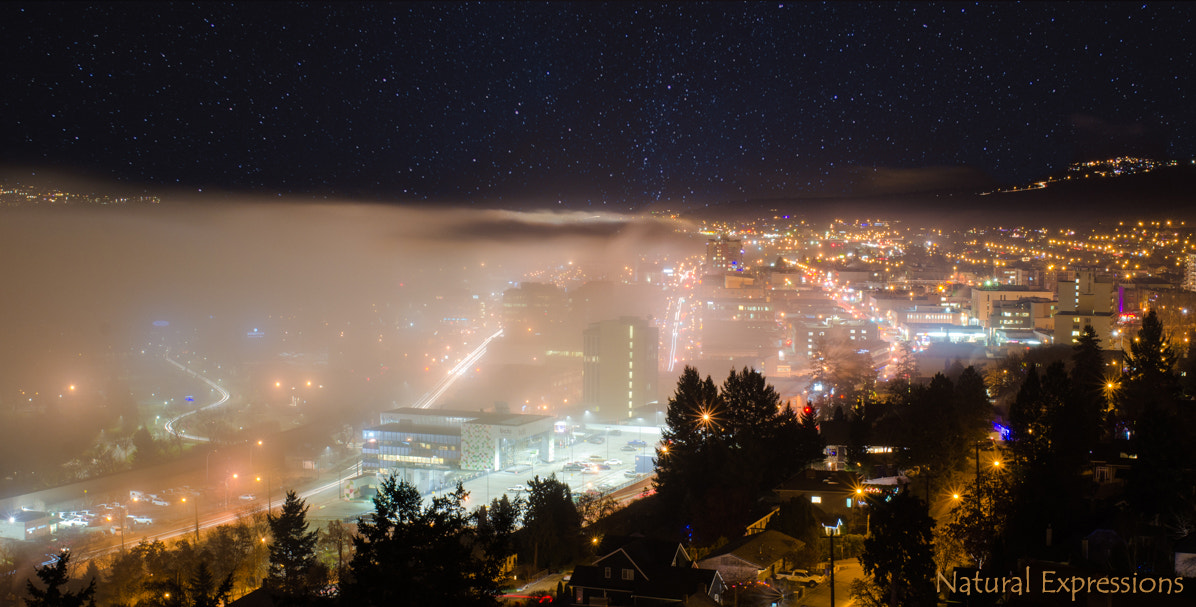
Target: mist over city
(873, 304)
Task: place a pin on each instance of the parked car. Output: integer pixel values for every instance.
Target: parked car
(141, 520)
(159, 502)
(626, 448)
(636, 443)
(595, 440)
(574, 467)
(803, 577)
(74, 522)
(248, 497)
(632, 474)
(518, 488)
(614, 462)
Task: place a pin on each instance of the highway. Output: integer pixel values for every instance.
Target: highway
(224, 396)
(428, 399)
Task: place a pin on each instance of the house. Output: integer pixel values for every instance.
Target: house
(835, 493)
(642, 571)
(752, 558)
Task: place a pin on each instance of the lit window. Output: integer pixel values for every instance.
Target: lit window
(814, 499)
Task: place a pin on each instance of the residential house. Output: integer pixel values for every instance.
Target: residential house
(642, 571)
(753, 558)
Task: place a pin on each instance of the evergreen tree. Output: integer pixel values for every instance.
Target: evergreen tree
(809, 441)
(683, 436)
(1026, 417)
(293, 564)
(55, 578)
(1149, 380)
(408, 554)
(898, 555)
(1090, 386)
(751, 407)
(203, 590)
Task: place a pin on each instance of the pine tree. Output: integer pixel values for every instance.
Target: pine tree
(203, 591)
(685, 435)
(751, 407)
(1090, 386)
(55, 577)
(293, 551)
(1149, 380)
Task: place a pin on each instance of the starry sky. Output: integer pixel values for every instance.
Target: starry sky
(613, 105)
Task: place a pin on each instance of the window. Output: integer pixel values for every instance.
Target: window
(849, 502)
(606, 572)
(628, 574)
(814, 499)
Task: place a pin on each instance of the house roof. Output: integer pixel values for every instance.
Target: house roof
(666, 583)
(646, 553)
(761, 550)
(824, 481)
(25, 516)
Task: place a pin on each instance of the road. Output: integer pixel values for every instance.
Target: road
(224, 396)
(820, 596)
(428, 399)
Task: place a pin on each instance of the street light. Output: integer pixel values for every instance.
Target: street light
(831, 532)
(269, 504)
(196, 503)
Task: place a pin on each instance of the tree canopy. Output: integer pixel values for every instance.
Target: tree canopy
(411, 554)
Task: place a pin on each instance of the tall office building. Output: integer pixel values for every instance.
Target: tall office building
(724, 254)
(533, 309)
(1086, 300)
(1190, 272)
(619, 366)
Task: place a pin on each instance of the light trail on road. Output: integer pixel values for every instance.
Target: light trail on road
(457, 371)
(224, 396)
(676, 330)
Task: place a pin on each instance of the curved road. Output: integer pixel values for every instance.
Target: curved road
(224, 396)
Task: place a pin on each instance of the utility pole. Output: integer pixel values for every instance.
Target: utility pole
(831, 531)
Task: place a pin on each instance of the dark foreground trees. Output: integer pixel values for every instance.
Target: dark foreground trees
(551, 523)
(409, 554)
(723, 448)
(898, 555)
(295, 576)
(55, 577)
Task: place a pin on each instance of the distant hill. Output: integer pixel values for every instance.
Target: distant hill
(1164, 193)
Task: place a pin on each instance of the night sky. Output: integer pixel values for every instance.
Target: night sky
(580, 105)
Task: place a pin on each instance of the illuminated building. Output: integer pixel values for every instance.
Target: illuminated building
(532, 309)
(423, 445)
(724, 254)
(619, 366)
(1190, 272)
(984, 297)
(1087, 300)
